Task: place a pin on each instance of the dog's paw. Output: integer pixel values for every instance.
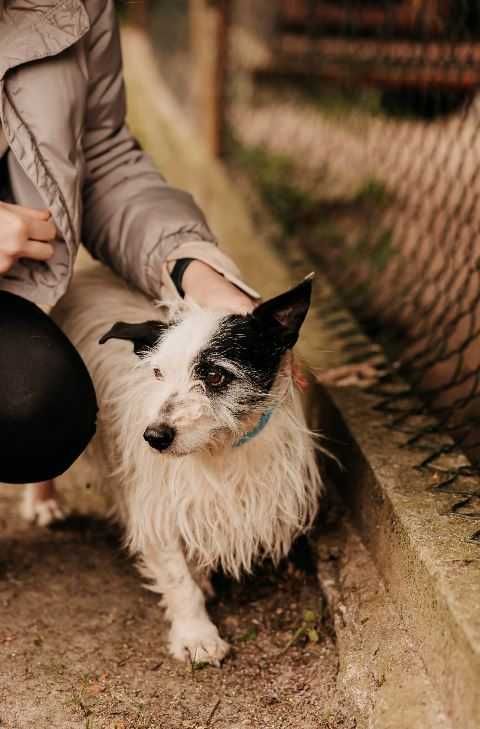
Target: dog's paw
(197, 642)
(41, 512)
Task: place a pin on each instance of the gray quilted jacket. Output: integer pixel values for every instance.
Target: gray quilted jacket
(62, 109)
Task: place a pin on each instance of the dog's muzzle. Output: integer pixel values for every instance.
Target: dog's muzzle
(160, 438)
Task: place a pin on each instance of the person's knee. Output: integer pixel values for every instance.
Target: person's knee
(58, 400)
(47, 406)
(60, 404)
(46, 432)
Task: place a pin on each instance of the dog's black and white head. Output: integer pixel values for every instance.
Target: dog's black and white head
(212, 375)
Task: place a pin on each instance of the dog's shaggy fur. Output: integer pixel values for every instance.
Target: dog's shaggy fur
(192, 389)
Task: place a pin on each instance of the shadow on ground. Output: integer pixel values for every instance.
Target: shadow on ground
(83, 645)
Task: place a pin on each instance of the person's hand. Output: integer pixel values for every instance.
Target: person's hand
(211, 290)
(24, 233)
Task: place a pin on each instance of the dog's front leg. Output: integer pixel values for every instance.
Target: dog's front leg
(41, 504)
(193, 636)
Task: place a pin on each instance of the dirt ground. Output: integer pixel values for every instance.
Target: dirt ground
(82, 644)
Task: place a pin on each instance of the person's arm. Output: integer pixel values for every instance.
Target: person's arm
(133, 220)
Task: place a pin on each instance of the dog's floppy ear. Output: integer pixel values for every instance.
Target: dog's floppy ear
(284, 315)
(143, 335)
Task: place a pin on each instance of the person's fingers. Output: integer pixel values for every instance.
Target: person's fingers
(37, 250)
(42, 230)
(5, 263)
(37, 213)
(238, 305)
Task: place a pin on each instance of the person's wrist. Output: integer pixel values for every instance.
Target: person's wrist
(177, 272)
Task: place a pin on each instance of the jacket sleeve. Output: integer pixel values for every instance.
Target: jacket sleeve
(133, 221)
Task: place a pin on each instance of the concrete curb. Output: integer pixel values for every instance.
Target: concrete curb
(431, 569)
(379, 670)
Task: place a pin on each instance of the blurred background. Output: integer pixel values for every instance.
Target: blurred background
(351, 127)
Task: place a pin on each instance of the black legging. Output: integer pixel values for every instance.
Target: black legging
(47, 400)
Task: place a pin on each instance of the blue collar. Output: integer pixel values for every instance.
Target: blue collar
(256, 430)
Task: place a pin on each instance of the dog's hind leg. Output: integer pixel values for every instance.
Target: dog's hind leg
(40, 504)
(193, 637)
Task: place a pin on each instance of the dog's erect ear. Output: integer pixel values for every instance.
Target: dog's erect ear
(143, 335)
(284, 315)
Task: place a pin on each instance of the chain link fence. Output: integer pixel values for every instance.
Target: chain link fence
(357, 122)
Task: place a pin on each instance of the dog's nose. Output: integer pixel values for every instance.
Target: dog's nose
(159, 438)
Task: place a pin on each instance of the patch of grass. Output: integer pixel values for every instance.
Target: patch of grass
(375, 248)
(337, 101)
(372, 193)
(273, 175)
(309, 629)
(332, 100)
(198, 665)
(248, 635)
(382, 251)
(328, 232)
(78, 702)
(294, 199)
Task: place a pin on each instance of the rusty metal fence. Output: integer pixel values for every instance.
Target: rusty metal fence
(358, 124)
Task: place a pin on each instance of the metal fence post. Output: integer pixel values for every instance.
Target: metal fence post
(209, 27)
(136, 12)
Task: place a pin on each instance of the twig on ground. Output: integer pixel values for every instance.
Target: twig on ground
(212, 712)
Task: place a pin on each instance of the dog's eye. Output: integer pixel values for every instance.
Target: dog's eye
(215, 378)
(157, 373)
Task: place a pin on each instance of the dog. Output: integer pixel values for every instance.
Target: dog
(201, 441)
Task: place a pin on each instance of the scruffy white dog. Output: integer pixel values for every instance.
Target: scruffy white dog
(201, 441)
